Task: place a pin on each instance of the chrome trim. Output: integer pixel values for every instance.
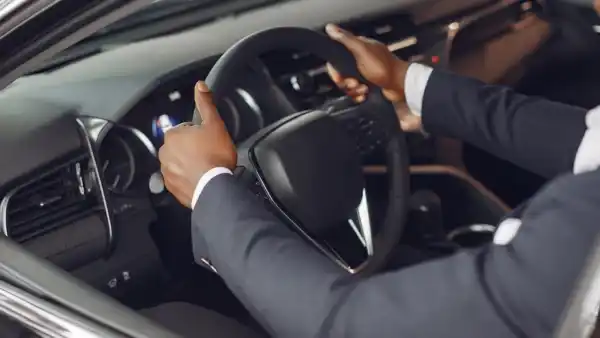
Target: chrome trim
(357, 232)
(144, 139)
(4, 208)
(88, 141)
(364, 222)
(209, 265)
(47, 319)
(484, 229)
(8, 7)
(95, 126)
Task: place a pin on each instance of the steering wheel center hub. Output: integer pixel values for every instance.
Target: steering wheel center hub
(310, 165)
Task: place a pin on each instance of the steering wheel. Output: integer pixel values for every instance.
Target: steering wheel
(306, 166)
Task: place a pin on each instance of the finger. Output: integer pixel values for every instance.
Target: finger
(204, 104)
(360, 90)
(351, 84)
(366, 39)
(335, 76)
(185, 124)
(353, 43)
(360, 98)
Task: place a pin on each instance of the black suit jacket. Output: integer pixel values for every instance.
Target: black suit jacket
(515, 290)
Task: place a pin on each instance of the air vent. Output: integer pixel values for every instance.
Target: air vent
(303, 76)
(59, 197)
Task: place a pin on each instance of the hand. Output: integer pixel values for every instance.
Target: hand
(380, 67)
(190, 150)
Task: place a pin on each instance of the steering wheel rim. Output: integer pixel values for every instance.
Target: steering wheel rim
(219, 80)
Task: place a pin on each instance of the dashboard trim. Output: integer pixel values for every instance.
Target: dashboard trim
(143, 139)
(97, 130)
(3, 212)
(88, 142)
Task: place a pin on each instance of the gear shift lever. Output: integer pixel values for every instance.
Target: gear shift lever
(426, 209)
(426, 214)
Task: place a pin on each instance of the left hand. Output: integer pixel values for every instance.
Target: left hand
(190, 150)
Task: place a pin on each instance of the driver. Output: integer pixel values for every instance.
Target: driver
(518, 286)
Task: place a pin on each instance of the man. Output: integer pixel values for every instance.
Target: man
(516, 287)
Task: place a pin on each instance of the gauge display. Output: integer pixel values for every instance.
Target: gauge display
(162, 124)
(117, 163)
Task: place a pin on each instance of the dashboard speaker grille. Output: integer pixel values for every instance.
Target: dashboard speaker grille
(60, 196)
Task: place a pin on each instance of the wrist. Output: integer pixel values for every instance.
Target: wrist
(203, 181)
(395, 92)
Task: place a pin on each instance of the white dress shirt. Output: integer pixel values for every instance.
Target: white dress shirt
(417, 76)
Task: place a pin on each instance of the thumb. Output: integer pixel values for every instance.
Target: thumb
(205, 104)
(352, 42)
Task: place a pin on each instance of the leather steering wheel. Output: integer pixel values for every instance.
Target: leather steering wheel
(306, 166)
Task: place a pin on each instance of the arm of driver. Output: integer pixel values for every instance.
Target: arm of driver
(295, 292)
(536, 134)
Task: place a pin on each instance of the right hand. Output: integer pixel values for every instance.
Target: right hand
(379, 66)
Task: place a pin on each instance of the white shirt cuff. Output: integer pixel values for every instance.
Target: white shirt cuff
(415, 84)
(209, 175)
(588, 153)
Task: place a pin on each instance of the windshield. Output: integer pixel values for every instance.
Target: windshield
(159, 18)
(200, 11)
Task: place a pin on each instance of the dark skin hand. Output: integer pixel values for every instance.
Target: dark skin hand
(380, 67)
(190, 150)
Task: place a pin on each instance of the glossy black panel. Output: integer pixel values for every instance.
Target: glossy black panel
(310, 166)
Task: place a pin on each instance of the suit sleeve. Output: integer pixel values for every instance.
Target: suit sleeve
(536, 134)
(293, 291)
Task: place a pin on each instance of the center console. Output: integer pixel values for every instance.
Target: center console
(448, 206)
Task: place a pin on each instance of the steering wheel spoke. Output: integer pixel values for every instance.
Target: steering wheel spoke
(360, 223)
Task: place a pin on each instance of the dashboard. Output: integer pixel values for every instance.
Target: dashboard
(101, 178)
(173, 103)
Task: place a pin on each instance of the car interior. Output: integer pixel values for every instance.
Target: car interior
(82, 195)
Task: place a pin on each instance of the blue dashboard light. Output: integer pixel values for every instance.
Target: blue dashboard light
(162, 124)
